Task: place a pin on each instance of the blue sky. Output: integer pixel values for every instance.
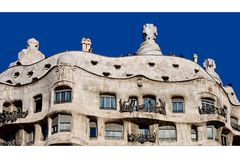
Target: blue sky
(211, 35)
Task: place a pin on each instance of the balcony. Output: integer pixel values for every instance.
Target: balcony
(235, 126)
(131, 106)
(6, 116)
(212, 110)
(142, 138)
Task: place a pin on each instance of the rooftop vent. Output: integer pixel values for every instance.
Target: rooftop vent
(230, 84)
(47, 66)
(232, 94)
(117, 66)
(16, 74)
(94, 62)
(9, 81)
(106, 73)
(175, 65)
(30, 73)
(165, 78)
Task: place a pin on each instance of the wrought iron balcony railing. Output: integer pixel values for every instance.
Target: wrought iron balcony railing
(130, 106)
(10, 142)
(235, 126)
(6, 116)
(142, 138)
(212, 110)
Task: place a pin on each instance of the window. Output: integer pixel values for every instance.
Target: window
(30, 136)
(63, 95)
(149, 103)
(107, 102)
(207, 103)
(37, 103)
(144, 131)
(177, 105)
(167, 133)
(113, 131)
(224, 139)
(93, 129)
(194, 134)
(44, 127)
(61, 123)
(212, 133)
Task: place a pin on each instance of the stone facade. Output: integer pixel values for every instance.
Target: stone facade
(80, 98)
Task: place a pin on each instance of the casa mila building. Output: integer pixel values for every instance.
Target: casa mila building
(81, 98)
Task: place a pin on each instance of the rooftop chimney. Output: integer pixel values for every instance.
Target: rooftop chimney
(86, 45)
(195, 58)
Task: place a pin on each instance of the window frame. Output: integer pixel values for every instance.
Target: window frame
(37, 98)
(147, 107)
(194, 139)
(108, 104)
(215, 134)
(168, 129)
(111, 132)
(177, 101)
(96, 130)
(61, 92)
(58, 125)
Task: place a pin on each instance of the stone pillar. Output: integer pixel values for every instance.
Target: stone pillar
(202, 133)
(37, 134)
(101, 129)
(183, 134)
(49, 127)
(154, 129)
(127, 130)
(19, 138)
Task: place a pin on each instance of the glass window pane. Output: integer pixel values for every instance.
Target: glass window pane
(210, 132)
(113, 104)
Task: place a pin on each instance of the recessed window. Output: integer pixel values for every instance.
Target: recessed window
(30, 73)
(93, 129)
(113, 131)
(16, 74)
(63, 95)
(37, 103)
(175, 65)
(196, 70)
(30, 136)
(177, 105)
(207, 104)
(61, 123)
(94, 62)
(106, 73)
(212, 133)
(107, 102)
(194, 134)
(144, 131)
(224, 140)
(167, 133)
(165, 78)
(117, 66)
(47, 66)
(149, 103)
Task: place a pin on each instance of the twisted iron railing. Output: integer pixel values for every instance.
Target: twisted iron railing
(6, 116)
(130, 106)
(142, 138)
(10, 142)
(212, 110)
(235, 126)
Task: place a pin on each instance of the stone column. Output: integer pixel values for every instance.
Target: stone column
(154, 129)
(49, 126)
(19, 138)
(127, 130)
(183, 134)
(38, 134)
(101, 129)
(202, 133)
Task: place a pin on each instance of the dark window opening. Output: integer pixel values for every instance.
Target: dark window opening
(38, 103)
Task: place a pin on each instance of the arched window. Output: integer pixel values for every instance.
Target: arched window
(167, 133)
(194, 136)
(177, 105)
(149, 103)
(113, 131)
(108, 102)
(62, 94)
(61, 123)
(93, 129)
